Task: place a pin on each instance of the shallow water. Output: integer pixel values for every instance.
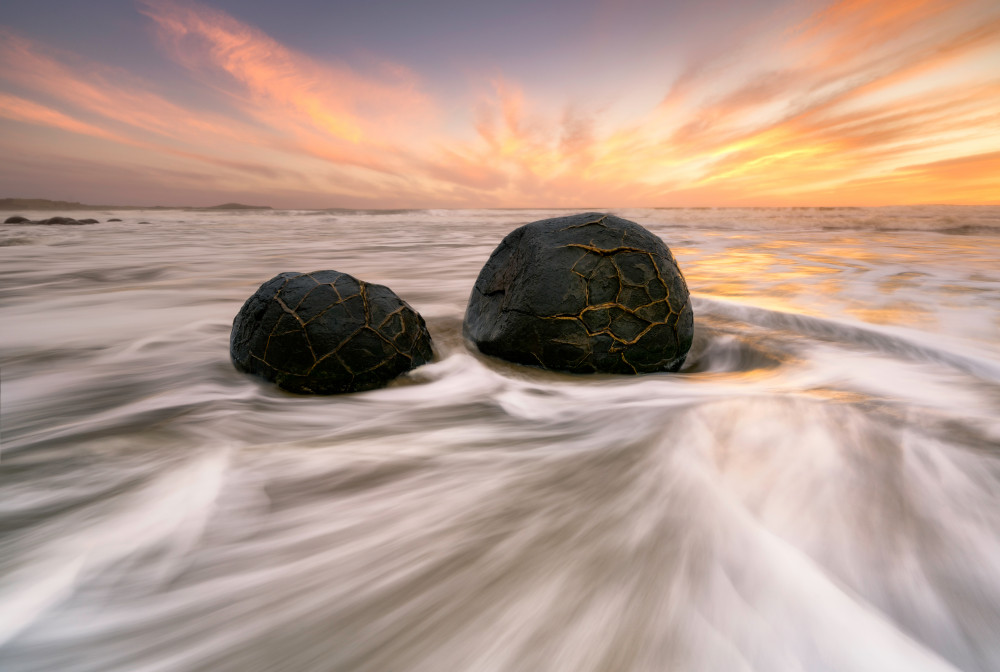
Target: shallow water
(818, 489)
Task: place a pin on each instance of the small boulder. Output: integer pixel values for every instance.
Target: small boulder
(16, 219)
(326, 332)
(115, 219)
(60, 221)
(88, 221)
(585, 293)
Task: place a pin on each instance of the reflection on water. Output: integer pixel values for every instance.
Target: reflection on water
(873, 277)
(819, 489)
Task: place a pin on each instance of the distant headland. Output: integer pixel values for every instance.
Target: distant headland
(234, 206)
(46, 204)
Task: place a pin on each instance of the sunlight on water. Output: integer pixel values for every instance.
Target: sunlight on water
(818, 489)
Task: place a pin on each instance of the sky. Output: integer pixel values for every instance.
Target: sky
(473, 104)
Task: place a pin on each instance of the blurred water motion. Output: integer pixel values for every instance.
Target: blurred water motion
(818, 490)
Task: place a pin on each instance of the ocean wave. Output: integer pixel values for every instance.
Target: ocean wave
(806, 480)
(890, 341)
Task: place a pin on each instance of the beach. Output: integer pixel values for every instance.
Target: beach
(817, 489)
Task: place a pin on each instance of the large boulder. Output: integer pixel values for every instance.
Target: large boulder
(585, 293)
(326, 332)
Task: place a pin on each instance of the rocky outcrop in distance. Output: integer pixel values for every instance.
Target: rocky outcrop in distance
(51, 221)
(46, 204)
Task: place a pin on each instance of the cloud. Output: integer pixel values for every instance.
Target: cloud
(27, 111)
(848, 105)
(60, 90)
(108, 92)
(971, 179)
(861, 98)
(329, 110)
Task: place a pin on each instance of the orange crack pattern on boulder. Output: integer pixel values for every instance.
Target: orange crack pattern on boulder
(584, 293)
(327, 332)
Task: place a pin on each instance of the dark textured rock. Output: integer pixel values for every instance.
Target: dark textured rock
(585, 293)
(326, 332)
(51, 221)
(62, 221)
(115, 219)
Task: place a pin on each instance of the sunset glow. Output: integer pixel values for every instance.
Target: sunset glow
(851, 103)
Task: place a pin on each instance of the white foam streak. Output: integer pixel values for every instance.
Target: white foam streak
(172, 511)
(818, 489)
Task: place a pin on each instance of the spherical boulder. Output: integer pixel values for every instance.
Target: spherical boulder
(326, 332)
(585, 293)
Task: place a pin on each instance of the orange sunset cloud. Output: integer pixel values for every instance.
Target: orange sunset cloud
(861, 103)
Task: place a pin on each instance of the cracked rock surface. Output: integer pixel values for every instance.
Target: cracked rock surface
(327, 332)
(585, 293)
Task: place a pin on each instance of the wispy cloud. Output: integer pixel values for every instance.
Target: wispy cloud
(865, 101)
(874, 86)
(107, 92)
(28, 111)
(328, 110)
(69, 94)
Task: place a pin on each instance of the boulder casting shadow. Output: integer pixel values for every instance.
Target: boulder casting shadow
(585, 293)
(326, 332)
